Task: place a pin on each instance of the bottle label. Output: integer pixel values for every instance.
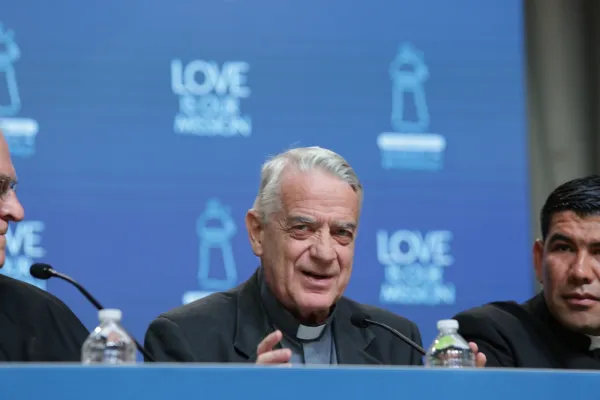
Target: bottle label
(443, 342)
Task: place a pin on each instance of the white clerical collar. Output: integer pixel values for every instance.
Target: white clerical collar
(594, 342)
(305, 332)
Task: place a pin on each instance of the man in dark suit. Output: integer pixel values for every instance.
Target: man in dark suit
(302, 227)
(560, 327)
(34, 325)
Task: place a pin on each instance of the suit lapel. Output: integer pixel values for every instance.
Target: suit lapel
(251, 322)
(252, 325)
(351, 343)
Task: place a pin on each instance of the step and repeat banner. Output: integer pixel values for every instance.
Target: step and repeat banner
(138, 130)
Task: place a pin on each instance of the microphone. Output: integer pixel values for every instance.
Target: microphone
(45, 271)
(363, 320)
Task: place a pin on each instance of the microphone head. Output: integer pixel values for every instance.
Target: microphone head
(360, 320)
(41, 271)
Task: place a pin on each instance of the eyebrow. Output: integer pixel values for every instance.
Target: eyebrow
(302, 220)
(559, 237)
(312, 221)
(346, 225)
(556, 237)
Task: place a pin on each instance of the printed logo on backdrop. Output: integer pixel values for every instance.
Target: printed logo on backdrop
(23, 248)
(414, 264)
(216, 266)
(20, 132)
(210, 98)
(411, 146)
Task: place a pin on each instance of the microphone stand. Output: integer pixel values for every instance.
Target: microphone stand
(398, 334)
(99, 307)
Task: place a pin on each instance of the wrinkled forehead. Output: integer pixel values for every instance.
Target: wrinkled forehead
(570, 226)
(320, 196)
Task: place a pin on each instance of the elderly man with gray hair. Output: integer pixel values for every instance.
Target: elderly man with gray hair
(302, 227)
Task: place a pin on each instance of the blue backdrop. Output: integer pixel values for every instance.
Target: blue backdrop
(138, 129)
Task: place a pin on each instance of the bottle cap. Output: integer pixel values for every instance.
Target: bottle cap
(110, 314)
(447, 324)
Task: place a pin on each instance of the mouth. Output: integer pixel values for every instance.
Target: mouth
(581, 299)
(317, 276)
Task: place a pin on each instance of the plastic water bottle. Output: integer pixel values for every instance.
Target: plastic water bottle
(108, 343)
(449, 349)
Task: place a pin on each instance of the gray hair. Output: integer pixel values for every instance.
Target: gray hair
(303, 159)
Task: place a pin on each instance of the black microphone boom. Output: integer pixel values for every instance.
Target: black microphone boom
(45, 271)
(363, 321)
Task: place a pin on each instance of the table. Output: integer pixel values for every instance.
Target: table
(229, 382)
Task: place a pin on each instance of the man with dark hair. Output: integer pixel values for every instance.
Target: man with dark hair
(560, 327)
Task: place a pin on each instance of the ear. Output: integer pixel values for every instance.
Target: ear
(538, 259)
(255, 232)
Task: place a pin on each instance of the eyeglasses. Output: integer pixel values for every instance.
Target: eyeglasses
(7, 185)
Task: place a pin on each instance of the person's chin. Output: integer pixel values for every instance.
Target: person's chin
(316, 302)
(583, 321)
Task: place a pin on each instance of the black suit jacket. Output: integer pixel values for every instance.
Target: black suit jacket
(228, 326)
(36, 326)
(525, 335)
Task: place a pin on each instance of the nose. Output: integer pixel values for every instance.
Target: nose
(584, 270)
(323, 250)
(11, 208)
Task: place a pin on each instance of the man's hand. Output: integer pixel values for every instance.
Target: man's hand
(266, 354)
(480, 358)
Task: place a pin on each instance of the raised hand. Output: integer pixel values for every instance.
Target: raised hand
(266, 354)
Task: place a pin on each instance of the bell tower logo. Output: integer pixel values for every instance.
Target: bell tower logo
(216, 264)
(410, 146)
(20, 133)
